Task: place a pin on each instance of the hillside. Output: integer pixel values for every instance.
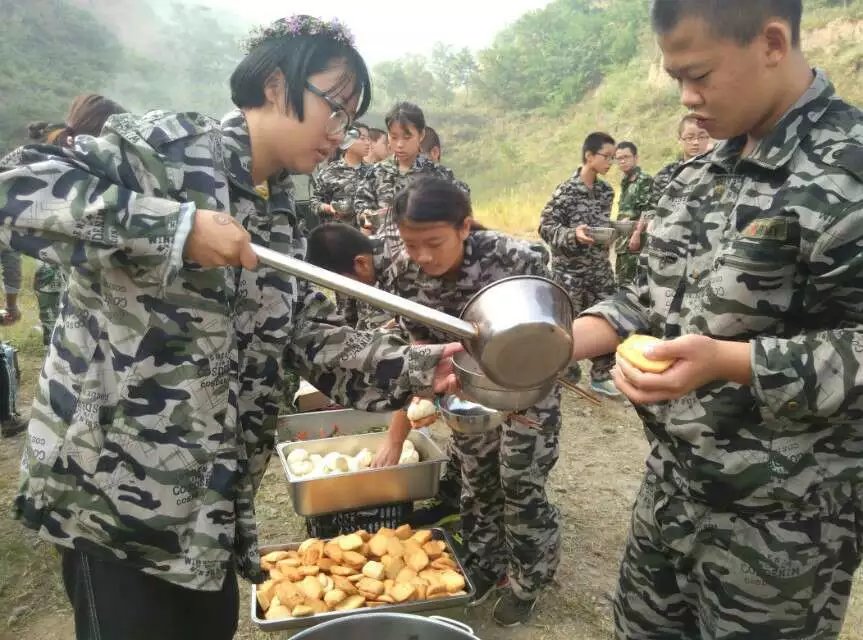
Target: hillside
(514, 162)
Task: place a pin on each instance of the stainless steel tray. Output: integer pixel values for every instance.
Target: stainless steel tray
(368, 488)
(257, 615)
(325, 424)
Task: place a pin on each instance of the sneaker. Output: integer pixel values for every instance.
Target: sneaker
(511, 611)
(605, 387)
(483, 590)
(434, 513)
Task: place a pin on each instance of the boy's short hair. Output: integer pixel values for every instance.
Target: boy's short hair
(376, 134)
(626, 144)
(334, 246)
(738, 20)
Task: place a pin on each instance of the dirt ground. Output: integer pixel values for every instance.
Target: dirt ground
(601, 461)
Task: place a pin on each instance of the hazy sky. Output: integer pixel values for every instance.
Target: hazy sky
(386, 29)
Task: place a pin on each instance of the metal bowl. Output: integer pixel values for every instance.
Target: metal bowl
(477, 387)
(524, 337)
(389, 626)
(601, 235)
(624, 227)
(468, 417)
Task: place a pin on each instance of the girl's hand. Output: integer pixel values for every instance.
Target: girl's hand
(217, 240)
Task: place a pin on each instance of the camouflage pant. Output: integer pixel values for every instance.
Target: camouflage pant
(49, 309)
(691, 572)
(508, 525)
(625, 265)
(587, 287)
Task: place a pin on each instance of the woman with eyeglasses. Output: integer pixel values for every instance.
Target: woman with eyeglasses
(335, 187)
(578, 262)
(156, 407)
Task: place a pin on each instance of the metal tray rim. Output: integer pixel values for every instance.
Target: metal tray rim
(280, 448)
(409, 607)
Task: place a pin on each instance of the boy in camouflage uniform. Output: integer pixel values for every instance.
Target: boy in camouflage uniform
(634, 201)
(336, 185)
(748, 523)
(156, 408)
(577, 262)
(694, 141)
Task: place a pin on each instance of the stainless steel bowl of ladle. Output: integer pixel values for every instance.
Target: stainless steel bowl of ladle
(519, 329)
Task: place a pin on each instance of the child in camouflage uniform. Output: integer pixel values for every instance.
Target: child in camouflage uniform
(334, 189)
(749, 521)
(508, 524)
(580, 265)
(406, 125)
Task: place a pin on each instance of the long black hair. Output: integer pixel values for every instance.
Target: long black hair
(298, 57)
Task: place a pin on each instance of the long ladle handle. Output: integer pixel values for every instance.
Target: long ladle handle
(372, 295)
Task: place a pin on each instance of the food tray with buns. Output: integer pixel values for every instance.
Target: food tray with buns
(329, 424)
(353, 490)
(395, 570)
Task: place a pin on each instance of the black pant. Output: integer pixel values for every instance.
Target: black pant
(115, 602)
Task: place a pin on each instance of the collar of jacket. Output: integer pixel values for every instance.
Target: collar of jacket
(419, 164)
(237, 149)
(632, 176)
(777, 148)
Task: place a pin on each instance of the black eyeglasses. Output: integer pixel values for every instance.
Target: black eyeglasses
(339, 119)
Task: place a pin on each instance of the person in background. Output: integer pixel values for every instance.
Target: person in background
(509, 527)
(634, 201)
(10, 261)
(378, 146)
(155, 414)
(749, 519)
(87, 115)
(431, 146)
(334, 189)
(694, 141)
(578, 263)
(346, 251)
(406, 126)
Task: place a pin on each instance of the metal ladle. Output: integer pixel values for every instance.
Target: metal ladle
(519, 330)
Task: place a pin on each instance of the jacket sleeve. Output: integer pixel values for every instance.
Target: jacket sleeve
(556, 224)
(86, 207)
(368, 370)
(322, 192)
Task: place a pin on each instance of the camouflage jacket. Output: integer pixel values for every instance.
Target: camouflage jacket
(660, 182)
(574, 203)
(338, 181)
(378, 190)
(763, 249)
(155, 411)
(635, 193)
(362, 315)
(489, 256)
